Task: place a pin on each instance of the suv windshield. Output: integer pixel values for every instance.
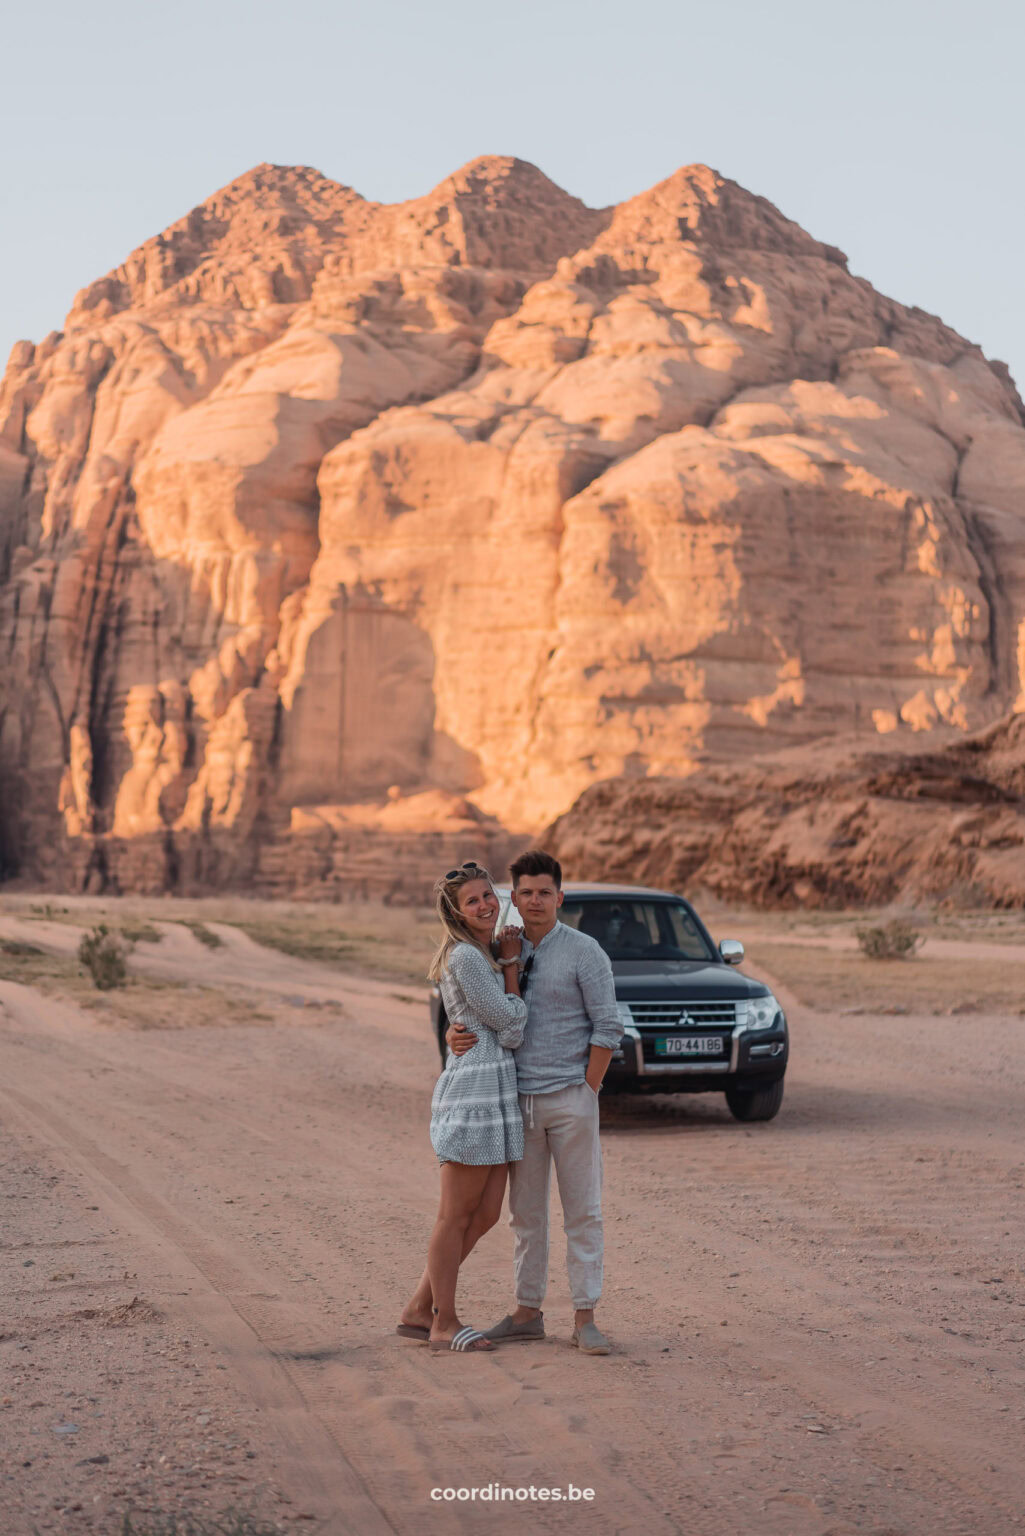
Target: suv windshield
(628, 929)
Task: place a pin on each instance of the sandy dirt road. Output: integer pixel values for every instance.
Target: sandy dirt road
(819, 1323)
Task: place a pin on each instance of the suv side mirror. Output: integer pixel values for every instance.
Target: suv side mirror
(732, 951)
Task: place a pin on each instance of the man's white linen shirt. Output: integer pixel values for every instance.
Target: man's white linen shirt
(571, 1005)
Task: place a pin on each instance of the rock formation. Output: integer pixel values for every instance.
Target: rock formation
(330, 528)
(840, 826)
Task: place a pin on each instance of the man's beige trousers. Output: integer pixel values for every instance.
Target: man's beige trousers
(560, 1127)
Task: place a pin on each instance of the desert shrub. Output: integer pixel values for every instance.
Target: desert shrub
(103, 955)
(895, 940)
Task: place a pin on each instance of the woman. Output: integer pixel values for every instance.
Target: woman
(476, 1127)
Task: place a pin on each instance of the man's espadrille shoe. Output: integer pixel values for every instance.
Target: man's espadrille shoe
(591, 1341)
(534, 1328)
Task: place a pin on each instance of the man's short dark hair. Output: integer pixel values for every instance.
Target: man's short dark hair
(536, 862)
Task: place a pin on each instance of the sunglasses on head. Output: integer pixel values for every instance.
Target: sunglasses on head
(454, 874)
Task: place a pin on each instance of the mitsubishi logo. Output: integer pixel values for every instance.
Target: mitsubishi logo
(685, 1020)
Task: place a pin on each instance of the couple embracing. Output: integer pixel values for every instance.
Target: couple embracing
(533, 1024)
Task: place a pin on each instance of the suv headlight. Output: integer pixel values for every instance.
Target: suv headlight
(759, 1012)
(625, 1016)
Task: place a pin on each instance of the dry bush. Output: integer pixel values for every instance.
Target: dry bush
(103, 954)
(895, 940)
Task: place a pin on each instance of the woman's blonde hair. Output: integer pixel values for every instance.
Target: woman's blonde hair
(457, 931)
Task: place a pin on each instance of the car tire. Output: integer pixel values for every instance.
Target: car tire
(755, 1103)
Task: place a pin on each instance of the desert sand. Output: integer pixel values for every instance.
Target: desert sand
(218, 1187)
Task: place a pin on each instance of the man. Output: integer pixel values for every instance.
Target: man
(573, 1026)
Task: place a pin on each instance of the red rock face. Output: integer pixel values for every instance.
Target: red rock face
(325, 522)
(834, 826)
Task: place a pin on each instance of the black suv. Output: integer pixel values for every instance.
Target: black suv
(691, 1023)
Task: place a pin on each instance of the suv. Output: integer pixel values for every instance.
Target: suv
(691, 1023)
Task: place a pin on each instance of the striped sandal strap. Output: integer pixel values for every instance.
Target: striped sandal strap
(465, 1337)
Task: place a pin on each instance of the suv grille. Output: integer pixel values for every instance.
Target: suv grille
(703, 1015)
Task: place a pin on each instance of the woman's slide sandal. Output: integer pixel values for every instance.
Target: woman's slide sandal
(413, 1331)
(465, 1339)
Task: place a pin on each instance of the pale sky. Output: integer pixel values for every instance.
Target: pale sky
(891, 128)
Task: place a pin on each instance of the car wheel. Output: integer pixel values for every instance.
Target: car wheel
(755, 1103)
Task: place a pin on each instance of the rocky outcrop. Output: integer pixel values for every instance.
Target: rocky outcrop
(325, 523)
(838, 827)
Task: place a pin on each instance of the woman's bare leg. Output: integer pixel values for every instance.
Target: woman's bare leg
(489, 1208)
(461, 1188)
(417, 1311)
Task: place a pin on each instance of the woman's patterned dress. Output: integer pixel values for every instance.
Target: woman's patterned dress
(475, 1111)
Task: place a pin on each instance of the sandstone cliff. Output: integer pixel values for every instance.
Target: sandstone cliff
(324, 522)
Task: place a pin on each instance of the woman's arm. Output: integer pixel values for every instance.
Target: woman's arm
(504, 1013)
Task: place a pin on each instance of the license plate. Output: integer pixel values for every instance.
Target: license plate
(689, 1045)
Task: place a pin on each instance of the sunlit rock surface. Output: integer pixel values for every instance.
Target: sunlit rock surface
(330, 529)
